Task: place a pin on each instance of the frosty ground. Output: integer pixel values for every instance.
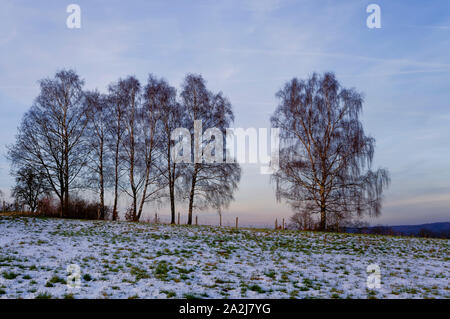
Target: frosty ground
(137, 260)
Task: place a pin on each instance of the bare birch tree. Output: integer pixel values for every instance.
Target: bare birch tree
(50, 136)
(155, 97)
(171, 116)
(96, 136)
(116, 131)
(325, 156)
(130, 90)
(207, 184)
(140, 148)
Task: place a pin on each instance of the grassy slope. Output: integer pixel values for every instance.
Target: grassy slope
(123, 260)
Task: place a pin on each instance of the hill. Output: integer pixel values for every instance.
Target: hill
(136, 260)
(426, 230)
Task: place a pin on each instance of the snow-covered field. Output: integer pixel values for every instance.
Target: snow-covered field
(129, 260)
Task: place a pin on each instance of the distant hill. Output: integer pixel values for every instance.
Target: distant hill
(432, 229)
(415, 229)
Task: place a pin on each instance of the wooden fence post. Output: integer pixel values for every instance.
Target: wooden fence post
(196, 220)
(156, 218)
(220, 220)
(178, 218)
(276, 224)
(237, 222)
(283, 223)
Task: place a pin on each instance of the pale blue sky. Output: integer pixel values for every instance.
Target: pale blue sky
(249, 49)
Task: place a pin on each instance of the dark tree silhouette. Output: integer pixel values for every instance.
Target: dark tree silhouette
(75, 139)
(116, 131)
(130, 91)
(302, 221)
(96, 137)
(325, 156)
(50, 136)
(30, 188)
(162, 94)
(154, 99)
(140, 150)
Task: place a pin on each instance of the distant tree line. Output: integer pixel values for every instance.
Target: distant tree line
(389, 231)
(119, 142)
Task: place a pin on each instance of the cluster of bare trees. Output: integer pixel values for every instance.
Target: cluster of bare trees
(120, 142)
(325, 156)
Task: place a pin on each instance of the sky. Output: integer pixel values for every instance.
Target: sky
(248, 49)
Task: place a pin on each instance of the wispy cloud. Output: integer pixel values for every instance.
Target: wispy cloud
(248, 49)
